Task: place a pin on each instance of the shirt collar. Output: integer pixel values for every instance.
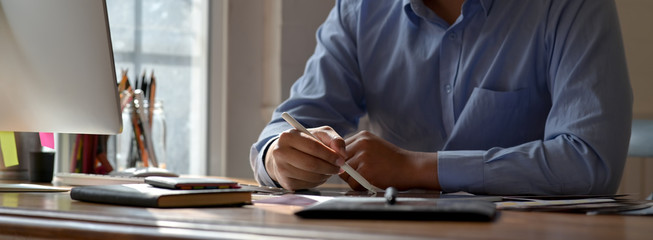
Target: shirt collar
(408, 8)
(487, 6)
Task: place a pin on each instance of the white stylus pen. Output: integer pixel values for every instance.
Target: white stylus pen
(360, 179)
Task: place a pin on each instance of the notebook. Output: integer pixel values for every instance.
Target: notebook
(146, 195)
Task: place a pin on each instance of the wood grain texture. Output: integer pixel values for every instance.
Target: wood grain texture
(55, 215)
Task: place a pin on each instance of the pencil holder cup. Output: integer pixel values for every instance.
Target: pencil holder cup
(140, 122)
(41, 166)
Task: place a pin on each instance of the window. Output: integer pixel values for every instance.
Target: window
(168, 37)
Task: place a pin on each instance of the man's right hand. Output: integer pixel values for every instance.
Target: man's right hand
(298, 161)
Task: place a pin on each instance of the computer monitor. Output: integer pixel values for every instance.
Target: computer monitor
(56, 68)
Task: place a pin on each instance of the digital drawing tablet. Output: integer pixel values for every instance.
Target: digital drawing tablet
(403, 209)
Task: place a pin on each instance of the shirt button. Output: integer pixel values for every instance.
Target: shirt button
(447, 88)
(452, 35)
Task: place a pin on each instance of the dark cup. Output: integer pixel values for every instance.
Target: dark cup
(41, 166)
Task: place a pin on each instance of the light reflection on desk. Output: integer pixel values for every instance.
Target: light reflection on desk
(44, 215)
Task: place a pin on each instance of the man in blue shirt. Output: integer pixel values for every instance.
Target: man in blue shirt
(483, 96)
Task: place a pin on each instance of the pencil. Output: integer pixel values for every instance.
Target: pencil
(124, 82)
(151, 93)
(137, 136)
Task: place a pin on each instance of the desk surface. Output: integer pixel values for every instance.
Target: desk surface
(56, 215)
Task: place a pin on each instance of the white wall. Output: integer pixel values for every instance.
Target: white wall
(266, 44)
(636, 18)
(301, 19)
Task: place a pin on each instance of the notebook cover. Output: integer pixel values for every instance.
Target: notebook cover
(145, 195)
(403, 209)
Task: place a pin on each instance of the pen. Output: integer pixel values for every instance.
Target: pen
(139, 82)
(137, 127)
(390, 195)
(360, 179)
(144, 85)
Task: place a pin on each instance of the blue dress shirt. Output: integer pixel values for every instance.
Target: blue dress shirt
(517, 97)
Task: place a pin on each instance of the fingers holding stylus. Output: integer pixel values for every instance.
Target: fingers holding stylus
(335, 141)
(297, 160)
(376, 159)
(332, 139)
(311, 149)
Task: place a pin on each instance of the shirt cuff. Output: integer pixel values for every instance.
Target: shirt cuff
(461, 171)
(262, 175)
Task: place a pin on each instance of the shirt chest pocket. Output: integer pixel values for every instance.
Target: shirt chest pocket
(497, 119)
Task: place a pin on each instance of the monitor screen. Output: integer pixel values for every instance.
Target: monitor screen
(56, 68)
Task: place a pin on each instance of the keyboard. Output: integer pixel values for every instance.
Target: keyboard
(82, 179)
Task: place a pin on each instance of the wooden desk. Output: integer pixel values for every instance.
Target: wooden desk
(55, 215)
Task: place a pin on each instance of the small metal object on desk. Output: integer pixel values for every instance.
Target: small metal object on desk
(390, 195)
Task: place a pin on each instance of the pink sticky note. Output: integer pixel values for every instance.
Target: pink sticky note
(47, 139)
